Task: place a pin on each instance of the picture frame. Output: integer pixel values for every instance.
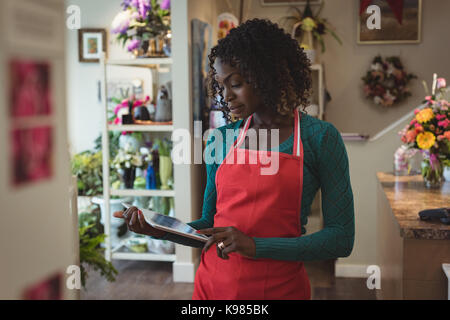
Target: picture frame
(91, 43)
(391, 31)
(289, 2)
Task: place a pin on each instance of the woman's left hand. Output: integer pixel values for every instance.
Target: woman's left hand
(233, 241)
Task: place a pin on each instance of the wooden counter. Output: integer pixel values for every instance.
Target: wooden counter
(410, 251)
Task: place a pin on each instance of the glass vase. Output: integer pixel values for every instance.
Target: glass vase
(129, 175)
(432, 172)
(165, 171)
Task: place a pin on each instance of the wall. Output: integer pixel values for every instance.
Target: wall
(37, 230)
(344, 65)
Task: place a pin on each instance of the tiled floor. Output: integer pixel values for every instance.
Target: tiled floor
(153, 281)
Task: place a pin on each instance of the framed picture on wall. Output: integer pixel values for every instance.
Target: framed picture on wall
(91, 43)
(288, 2)
(400, 22)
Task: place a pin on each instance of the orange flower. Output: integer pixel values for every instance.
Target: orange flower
(447, 134)
(410, 136)
(425, 140)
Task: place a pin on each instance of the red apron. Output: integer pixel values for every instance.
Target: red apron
(259, 205)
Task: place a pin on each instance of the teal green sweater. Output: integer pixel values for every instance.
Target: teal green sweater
(326, 168)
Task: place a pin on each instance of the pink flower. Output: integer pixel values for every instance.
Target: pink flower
(440, 116)
(441, 83)
(444, 123)
(416, 111)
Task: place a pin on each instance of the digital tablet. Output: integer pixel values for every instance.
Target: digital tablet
(169, 224)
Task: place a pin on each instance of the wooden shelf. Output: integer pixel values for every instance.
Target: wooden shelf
(140, 127)
(142, 193)
(145, 256)
(144, 62)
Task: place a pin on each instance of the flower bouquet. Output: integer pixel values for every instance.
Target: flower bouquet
(429, 132)
(126, 107)
(126, 161)
(145, 26)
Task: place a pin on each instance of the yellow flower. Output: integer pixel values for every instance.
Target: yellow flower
(425, 115)
(308, 24)
(425, 140)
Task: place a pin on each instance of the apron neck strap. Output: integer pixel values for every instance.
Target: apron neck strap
(297, 141)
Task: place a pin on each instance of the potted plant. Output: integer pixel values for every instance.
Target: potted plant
(91, 237)
(429, 131)
(87, 166)
(145, 26)
(309, 28)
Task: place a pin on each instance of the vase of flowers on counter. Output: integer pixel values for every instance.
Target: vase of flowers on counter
(429, 132)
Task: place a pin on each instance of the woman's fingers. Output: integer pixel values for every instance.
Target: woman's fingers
(133, 219)
(217, 235)
(118, 214)
(142, 221)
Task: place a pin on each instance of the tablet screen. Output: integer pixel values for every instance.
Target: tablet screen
(170, 224)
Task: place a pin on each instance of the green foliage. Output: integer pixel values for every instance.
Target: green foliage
(164, 147)
(91, 253)
(87, 167)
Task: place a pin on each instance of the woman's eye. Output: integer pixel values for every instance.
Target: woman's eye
(235, 85)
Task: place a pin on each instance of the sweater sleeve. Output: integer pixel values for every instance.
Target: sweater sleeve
(337, 237)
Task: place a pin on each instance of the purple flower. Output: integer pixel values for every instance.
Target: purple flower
(144, 8)
(126, 4)
(165, 5)
(134, 44)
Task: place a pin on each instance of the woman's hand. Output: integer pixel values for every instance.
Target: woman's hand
(233, 241)
(136, 222)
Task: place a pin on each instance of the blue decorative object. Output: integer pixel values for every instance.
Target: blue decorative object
(151, 178)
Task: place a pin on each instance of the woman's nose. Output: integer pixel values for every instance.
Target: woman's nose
(228, 95)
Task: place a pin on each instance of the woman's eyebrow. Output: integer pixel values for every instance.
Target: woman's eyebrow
(228, 76)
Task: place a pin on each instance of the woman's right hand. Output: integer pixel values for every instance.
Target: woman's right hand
(136, 222)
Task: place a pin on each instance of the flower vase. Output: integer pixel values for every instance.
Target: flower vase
(129, 175)
(165, 171)
(447, 173)
(432, 172)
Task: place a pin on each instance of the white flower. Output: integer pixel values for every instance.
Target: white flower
(121, 22)
(127, 164)
(390, 68)
(376, 67)
(377, 100)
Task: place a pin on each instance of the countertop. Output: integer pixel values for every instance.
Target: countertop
(407, 195)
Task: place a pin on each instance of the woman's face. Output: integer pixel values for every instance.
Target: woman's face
(238, 94)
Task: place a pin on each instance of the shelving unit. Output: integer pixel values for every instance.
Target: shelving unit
(315, 219)
(319, 95)
(118, 252)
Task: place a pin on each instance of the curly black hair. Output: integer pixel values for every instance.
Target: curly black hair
(269, 59)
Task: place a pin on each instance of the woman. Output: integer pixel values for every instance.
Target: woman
(256, 221)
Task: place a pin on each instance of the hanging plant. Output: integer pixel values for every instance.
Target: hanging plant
(386, 82)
